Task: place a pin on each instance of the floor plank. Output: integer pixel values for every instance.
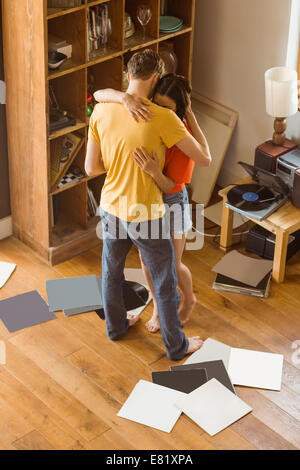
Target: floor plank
(64, 380)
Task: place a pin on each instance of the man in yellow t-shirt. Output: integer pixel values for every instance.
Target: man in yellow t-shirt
(132, 205)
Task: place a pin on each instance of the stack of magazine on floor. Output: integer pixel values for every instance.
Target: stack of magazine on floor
(226, 284)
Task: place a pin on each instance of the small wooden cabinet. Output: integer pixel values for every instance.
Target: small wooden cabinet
(26, 26)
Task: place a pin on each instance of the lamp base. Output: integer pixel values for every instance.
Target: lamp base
(279, 128)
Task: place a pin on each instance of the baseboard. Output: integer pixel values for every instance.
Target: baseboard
(5, 227)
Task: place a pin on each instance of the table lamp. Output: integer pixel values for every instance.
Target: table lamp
(281, 89)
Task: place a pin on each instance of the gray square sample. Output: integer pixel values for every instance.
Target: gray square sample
(24, 310)
(77, 311)
(73, 293)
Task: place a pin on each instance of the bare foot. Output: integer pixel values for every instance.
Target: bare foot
(186, 309)
(132, 319)
(195, 343)
(153, 324)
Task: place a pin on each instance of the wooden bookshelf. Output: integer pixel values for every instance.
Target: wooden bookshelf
(28, 80)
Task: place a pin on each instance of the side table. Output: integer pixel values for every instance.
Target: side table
(282, 223)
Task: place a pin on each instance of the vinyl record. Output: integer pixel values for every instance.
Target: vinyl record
(250, 197)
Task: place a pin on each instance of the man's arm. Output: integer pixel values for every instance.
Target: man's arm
(93, 160)
(137, 107)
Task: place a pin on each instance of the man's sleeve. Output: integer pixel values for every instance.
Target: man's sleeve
(93, 130)
(172, 129)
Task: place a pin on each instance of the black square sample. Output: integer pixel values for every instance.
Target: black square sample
(182, 380)
(214, 370)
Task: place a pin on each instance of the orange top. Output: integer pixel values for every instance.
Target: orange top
(179, 167)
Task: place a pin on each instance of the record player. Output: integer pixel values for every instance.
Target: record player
(259, 199)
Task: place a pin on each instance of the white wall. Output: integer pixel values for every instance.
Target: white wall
(236, 41)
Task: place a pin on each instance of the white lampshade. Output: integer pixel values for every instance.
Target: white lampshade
(281, 92)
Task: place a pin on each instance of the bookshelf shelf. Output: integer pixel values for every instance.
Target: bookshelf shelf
(67, 130)
(69, 66)
(92, 3)
(101, 56)
(185, 29)
(58, 222)
(69, 186)
(136, 42)
(56, 12)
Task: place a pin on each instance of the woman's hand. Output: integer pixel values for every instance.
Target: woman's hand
(138, 108)
(149, 164)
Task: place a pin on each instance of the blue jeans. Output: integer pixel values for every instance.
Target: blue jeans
(158, 256)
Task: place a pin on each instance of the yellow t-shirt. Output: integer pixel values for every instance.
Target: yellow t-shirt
(128, 192)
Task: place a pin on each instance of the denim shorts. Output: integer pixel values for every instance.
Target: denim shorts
(178, 211)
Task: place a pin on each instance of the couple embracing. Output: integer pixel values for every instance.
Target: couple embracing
(147, 140)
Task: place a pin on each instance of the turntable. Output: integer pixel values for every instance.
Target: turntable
(259, 199)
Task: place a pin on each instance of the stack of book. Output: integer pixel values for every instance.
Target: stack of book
(242, 274)
(226, 284)
(63, 3)
(92, 204)
(97, 16)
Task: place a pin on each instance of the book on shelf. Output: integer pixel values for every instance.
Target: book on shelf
(54, 209)
(226, 284)
(92, 204)
(63, 152)
(63, 3)
(97, 16)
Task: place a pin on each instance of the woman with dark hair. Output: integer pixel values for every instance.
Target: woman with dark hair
(173, 92)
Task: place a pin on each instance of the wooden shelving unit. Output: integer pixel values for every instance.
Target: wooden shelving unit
(28, 80)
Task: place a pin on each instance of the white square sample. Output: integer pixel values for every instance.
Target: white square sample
(6, 270)
(213, 407)
(137, 275)
(255, 369)
(245, 367)
(152, 405)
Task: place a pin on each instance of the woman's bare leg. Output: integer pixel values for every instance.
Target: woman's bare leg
(185, 281)
(153, 324)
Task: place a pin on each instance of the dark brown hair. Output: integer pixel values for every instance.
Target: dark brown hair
(143, 65)
(177, 88)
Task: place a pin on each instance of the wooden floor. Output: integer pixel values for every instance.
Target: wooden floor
(64, 381)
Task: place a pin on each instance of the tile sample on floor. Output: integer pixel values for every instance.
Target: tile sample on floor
(182, 380)
(135, 296)
(6, 270)
(76, 311)
(152, 405)
(213, 407)
(214, 370)
(137, 275)
(211, 350)
(245, 367)
(76, 292)
(86, 309)
(243, 268)
(255, 369)
(24, 310)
